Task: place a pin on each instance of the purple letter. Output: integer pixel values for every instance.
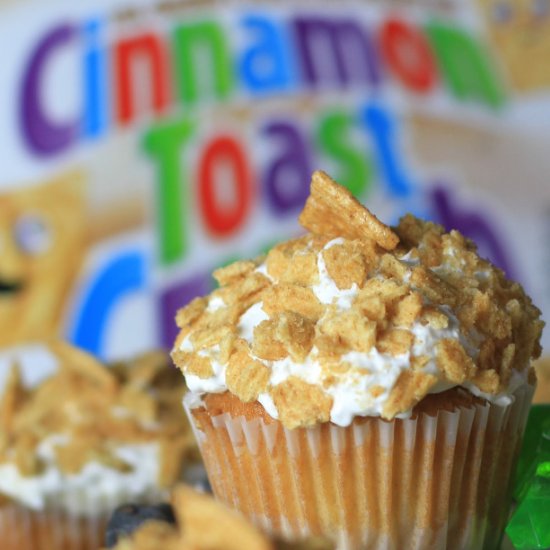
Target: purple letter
(287, 177)
(42, 135)
(339, 51)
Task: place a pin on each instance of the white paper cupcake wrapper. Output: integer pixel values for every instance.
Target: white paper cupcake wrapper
(58, 528)
(440, 481)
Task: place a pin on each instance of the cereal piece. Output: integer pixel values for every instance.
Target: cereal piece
(180, 358)
(302, 270)
(395, 341)
(411, 230)
(72, 457)
(407, 309)
(453, 361)
(300, 404)
(140, 403)
(200, 366)
(266, 345)
(191, 312)
(172, 452)
(434, 317)
(25, 457)
(287, 297)
(386, 289)
(234, 272)
(487, 381)
(84, 364)
(246, 377)
(410, 388)
(371, 306)
(350, 327)
(147, 367)
(391, 267)
(332, 211)
(346, 264)
(432, 286)
(207, 524)
(210, 336)
(296, 333)
(12, 397)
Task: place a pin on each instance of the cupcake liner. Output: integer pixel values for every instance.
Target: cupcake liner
(60, 528)
(433, 481)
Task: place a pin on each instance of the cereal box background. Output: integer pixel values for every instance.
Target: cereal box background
(144, 143)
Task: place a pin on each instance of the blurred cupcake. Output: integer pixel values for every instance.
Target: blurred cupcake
(542, 367)
(84, 441)
(194, 522)
(363, 383)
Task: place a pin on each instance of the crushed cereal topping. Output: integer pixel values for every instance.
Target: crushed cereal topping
(91, 410)
(357, 318)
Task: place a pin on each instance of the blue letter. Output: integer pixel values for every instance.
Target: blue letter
(265, 66)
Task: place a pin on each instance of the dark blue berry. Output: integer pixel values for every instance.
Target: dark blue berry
(127, 518)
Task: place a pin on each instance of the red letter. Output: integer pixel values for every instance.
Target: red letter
(223, 214)
(150, 48)
(408, 54)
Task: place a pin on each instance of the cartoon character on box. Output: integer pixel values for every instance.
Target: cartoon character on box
(42, 234)
(520, 33)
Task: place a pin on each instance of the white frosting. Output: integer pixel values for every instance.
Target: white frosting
(351, 390)
(94, 490)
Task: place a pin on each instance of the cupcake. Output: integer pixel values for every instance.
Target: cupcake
(364, 383)
(194, 521)
(82, 442)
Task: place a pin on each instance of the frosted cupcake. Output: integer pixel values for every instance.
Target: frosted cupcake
(84, 441)
(363, 383)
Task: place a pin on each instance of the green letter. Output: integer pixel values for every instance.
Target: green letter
(190, 42)
(336, 139)
(163, 142)
(464, 64)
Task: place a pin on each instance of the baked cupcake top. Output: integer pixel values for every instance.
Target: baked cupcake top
(358, 319)
(202, 524)
(93, 430)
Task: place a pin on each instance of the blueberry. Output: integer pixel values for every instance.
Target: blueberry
(127, 518)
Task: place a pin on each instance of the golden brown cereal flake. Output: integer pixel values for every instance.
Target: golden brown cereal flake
(487, 381)
(406, 310)
(191, 312)
(346, 264)
(332, 211)
(234, 272)
(410, 388)
(266, 344)
(350, 327)
(246, 377)
(288, 265)
(300, 404)
(208, 337)
(287, 297)
(395, 341)
(453, 361)
(199, 365)
(208, 525)
(296, 333)
(434, 318)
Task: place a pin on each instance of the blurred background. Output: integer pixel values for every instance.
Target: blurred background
(145, 142)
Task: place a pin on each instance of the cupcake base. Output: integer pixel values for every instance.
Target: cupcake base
(23, 529)
(441, 479)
